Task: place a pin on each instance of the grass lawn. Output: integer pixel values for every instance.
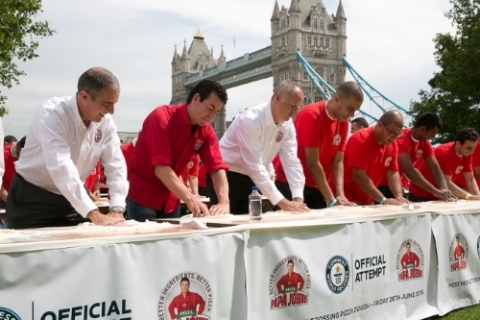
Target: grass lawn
(469, 313)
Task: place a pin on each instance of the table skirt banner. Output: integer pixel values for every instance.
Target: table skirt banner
(138, 280)
(457, 240)
(354, 271)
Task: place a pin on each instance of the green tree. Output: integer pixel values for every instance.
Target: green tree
(18, 34)
(455, 90)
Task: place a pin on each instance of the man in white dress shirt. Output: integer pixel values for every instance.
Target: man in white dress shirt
(253, 140)
(66, 139)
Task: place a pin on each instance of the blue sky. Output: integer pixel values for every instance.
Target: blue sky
(389, 42)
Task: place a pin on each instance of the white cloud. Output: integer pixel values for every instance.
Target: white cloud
(389, 43)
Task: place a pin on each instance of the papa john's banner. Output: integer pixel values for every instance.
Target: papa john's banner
(189, 278)
(457, 240)
(353, 271)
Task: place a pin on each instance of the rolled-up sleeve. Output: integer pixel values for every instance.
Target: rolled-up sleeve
(292, 165)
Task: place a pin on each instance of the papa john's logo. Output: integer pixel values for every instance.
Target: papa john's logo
(410, 261)
(98, 136)
(289, 283)
(198, 144)
(337, 139)
(8, 314)
(337, 274)
(279, 136)
(458, 170)
(458, 253)
(186, 296)
(388, 161)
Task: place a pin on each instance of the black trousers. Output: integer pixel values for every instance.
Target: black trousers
(240, 187)
(387, 193)
(312, 197)
(420, 199)
(29, 206)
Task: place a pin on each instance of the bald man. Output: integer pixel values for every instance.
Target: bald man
(371, 154)
(322, 130)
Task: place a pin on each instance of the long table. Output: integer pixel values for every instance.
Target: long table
(348, 263)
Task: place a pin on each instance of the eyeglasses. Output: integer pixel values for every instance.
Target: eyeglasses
(392, 133)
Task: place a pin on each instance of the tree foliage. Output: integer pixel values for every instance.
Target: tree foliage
(455, 90)
(18, 39)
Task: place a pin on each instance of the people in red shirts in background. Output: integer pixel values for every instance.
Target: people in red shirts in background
(202, 180)
(371, 154)
(459, 179)
(414, 144)
(454, 158)
(322, 130)
(357, 124)
(127, 150)
(9, 140)
(92, 183)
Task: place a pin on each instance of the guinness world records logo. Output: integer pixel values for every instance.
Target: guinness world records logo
(478, 247)
(337, 274)
(8, 314)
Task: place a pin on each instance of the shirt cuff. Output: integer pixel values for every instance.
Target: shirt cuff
(276, 197)
(117, 200)
(297, 194)
(85, 207)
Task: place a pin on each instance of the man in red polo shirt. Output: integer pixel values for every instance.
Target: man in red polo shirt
(370, 155)
(413, 144)
(187, 304)
(170, 136)
(322, 130)
(454, 158)
(459, 179)
(291, 281)
(409, 259)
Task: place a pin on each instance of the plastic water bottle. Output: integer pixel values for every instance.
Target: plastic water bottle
(255, 205)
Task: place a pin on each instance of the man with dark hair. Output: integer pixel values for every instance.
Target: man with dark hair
(187, 304)
(414, 144)
(357, 124)
(252, 141)
(409, 259)
(322, 130)
(9, 140)
(379, 153)
(291, 281)
(170, 136)
(66, 139)
(454, 158)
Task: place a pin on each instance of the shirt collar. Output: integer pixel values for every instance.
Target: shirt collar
(78, 118)
(184, 114)
(269, 115)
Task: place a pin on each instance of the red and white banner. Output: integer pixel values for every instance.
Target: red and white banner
(194, 278)
(457, 240)
(354, 271)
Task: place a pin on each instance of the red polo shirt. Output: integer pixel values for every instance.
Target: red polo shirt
(9, 167)
(316, 129)
(293, 282)
(459, 179)
(449, 162)
(186, 306)
(202, 176)
(167, 139)
(92, 178)
(414, 149)
(127, 150)
(364, 152)
(191, 169)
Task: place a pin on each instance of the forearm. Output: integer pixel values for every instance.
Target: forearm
(418, 179)
(338, 174)
(193, 181)
(395, 185)
(456, 190)
(173, 183)
(367, 186)
(321, 181)
(472, 186)
(3, 194)
(220, 184)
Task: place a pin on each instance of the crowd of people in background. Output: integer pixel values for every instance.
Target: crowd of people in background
(300, 157)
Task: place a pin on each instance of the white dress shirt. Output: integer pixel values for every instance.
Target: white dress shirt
(60, 152)
(251, 143)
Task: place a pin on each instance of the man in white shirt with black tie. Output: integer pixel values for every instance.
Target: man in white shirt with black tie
(253, 140)
(66, 139)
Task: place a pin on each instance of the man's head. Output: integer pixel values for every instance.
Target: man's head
(204, 101)
(9, 140)
(457, 240)
(389, 127)
(290, 266)
(19, 146)
(408, 247)
(357, 124)
(286, 101)
(184, 285)
(346, 101)
(426, 126)
(466, 141)
(98, 91)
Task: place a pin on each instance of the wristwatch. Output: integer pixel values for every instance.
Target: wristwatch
(117, 209)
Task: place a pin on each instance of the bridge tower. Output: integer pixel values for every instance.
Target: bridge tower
(320, 37)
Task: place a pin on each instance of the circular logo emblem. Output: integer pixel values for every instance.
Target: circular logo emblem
(419, 153)
(187, 295)
(337, 139)
(388, 161)
(410, 261)
(458, 253)
(458, 170)
(337, 274)
(289, 283)
(8, 314)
